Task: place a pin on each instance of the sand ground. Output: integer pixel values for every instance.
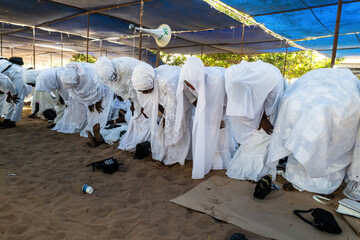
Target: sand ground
(44, 199)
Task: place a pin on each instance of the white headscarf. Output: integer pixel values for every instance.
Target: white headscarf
(47, 80)
(143, 77)
(105, 70)
(251, 88)
(29, 76)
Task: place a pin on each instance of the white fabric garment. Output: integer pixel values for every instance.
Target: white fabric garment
(210, 87)
(123, 105)
(74, 118)
(6, 86)
(166, 146)
(112, 135)
(15, 73)
(252, 89)
(117, 74)
(79, 79)
(317, 126)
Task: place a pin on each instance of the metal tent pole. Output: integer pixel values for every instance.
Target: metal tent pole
(141, 23)
(87, 38)
(62, 54)
(242, 39)
(1, 46)
(51, 59)
(12, 52)
(284, 70)
(202, 51)
(34, 48)
(157, 56)
(336, 35)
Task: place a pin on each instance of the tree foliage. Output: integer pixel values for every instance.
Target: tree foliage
(297, 63)
(80, 57)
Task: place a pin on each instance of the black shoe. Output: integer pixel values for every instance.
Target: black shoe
(5, 122)
(11, 124)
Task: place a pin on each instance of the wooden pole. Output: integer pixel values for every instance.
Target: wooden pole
(284, 70)
(1, 46)
(34, 47)
(141, 24)
(157, 56)
(12, 52)
(202, 51)
(336, 35)
(242, 39)
(87, 38)
(51, 59)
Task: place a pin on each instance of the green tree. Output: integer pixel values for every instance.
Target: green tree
(80, 57)
(297, 63)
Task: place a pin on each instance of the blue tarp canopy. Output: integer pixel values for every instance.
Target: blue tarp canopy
(62, 24)
(299, 20)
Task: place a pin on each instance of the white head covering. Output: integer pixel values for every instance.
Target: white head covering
(69, 76)
(29, 76)
(47, 80)
(143, 77)
(251, 88)
(105, 70)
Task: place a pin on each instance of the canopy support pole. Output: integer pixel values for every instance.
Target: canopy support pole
(1, 46)
(284, 70)
(242, 40)
(202, 51)
(141, 24)
(12, 52)
(157, 56)
(62, 54)
(51, 59)
(336, 35)
(34, 47)
(311, 59)
(87, 38)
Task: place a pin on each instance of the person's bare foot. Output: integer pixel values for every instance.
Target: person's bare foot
(288, 187)
(97, 135)
(93, 142)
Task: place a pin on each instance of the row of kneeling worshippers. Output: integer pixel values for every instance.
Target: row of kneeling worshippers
(244, 119)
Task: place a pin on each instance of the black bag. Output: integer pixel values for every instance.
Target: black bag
(324, 220)
(17, 60)
(49, 114)
(109, 165)
(142, 150)
(264, 187)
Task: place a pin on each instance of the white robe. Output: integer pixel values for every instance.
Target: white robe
(209, 86)
(73, 118)
(252, 89)
(79, 79)
(117, 75)
(316, 128)
(6, 86)
(166, 145)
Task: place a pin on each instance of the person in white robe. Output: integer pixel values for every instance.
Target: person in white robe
(79, 79)
(254, 90)
(70, 114)
(317, 126)
(116, 74)
(14, 109)
(7, 91)
(156, 90)
(204, 88)
(41, 101)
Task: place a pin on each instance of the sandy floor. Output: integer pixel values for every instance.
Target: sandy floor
(44, 199)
